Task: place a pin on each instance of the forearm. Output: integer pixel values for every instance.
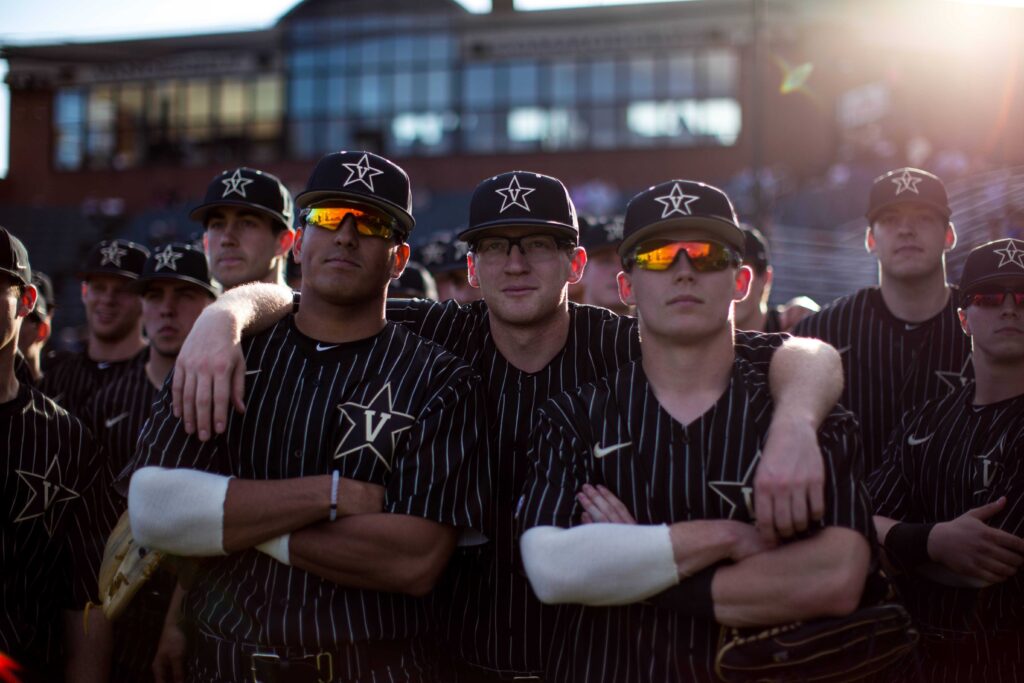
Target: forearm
(250, 308)
(806, 380)
(821, 576)
(383, 552)
(89, 645)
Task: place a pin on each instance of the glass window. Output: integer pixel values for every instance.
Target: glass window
(231, 102)
(522, 83)
(339, 135)
(478, 87)
(714, 121)
(602, 81)
(197, 101)
(720, 71)
(404, 88)
(682, 79)
(70, 106)
(101, 107)
(302, 97)
(302, 141)
(164, 106)
(369, 51)
(439, 89)
(340, 100)
(404, 49)
(268, 97)
(562, 83)
(479, 132)
(440, 47)
(641, 78)
(603, 127)
(303, 59)
(337, 56)
(368, 94)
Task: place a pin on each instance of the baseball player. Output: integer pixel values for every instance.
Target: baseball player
(415, 282)
(175, 287)
(49, 463)
(901, 341)
(753, 313)
(36, 328)
(113, 313)
(667, 446)
(601, 238)
(950, 493)
(349, 414)
(528, 343)
(247, 215)
(445, 257)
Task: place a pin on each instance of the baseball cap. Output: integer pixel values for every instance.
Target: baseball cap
(755, 252)
(115, 257)
(14, 258)
(443, 254)
(362, 177)
(45, 302)
(600, 232)
(414, 282)
(177, 261)
(248, 188)
(521, 199)
(1000, 260)
(680, 204)
(908, 185)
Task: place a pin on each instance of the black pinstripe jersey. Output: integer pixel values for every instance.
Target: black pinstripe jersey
(890, 365)
(75, 378)
(391, 409)
(21, 369)
(487, 612)
(615, 433)
(48, 561)
(947, 457)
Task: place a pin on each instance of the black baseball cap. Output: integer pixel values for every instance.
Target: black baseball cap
(45, 302)
(681, 204)
(755, 252)
(415, 282)
(115, 257)
(361, 177)
(14, 258)
(522, 199)
(908, 185)
(251, 189)
(1001, 260)
(177, 261)
(443, 254)
(601, 232)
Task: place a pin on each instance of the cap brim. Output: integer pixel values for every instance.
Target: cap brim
(552, 227)
(713, 228)
(198, 214)
(14, 274)
(307, 199)
(86, 274)
(944, 211)
(979, 283)
(139, 285)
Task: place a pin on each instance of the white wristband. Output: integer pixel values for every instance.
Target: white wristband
(179, 511)
(334, 494)
(277, 548)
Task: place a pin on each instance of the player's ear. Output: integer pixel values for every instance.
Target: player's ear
(577, 263)
(950, 236)
(42, 331)
(742, 284)
(471, 277)
(297, 245)
(27, 300)
(400, 260)
(965, 325)
(626, 294)
(206, 242)
(869, 240)
(85, 290)
(284, 242)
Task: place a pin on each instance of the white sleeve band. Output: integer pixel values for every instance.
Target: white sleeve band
(599, 564)
(178, 511)
(277, 548)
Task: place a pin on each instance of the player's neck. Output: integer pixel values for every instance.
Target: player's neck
(339, 323)
(688, 380)
(915, 301)
(756, 321)
(531, 347)
(8, 382)
(994, 382)
(158, 367)
(101, 350)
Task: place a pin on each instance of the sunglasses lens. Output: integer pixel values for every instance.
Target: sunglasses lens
(368, 223)
(705, 257)
(994, 299)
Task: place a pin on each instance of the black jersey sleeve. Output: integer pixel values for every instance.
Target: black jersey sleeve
(85, 534)
(164, 443)
(891, 484)
(759, 347)
(847, 503)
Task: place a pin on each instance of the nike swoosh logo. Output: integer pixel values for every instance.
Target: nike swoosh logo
(321, 347)
(251, 372)
(600, 452)
(844, 349)
(914, 441)
(114, 420)
(104, 365)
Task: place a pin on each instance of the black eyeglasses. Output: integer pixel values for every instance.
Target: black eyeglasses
(536, 248)
(993, 299)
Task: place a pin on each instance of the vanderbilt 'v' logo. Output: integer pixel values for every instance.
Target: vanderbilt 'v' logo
(381, 426)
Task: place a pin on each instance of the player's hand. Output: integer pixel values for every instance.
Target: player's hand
(169, 662)
(209, 375)
(970, 547)
(795, 310)
(602, 506)
(746, 540)
(359, 497)
(789, 486)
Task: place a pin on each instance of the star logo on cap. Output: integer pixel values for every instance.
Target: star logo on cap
(461, 249)
(676, 202)
(112, 254)
(906, 181)
(433, 253)
(236, 183)
(168, 258)
(1011, 254)
(362, 172)
(613, 230)
(514, 195)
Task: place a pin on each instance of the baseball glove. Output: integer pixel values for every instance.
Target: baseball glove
(849, 648)
(125, 569)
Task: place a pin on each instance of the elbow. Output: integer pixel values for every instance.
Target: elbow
(422, 572)
(552, 587)
(841, 592)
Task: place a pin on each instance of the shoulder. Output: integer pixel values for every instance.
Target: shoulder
(858, 303)
(587, 405)
(44, 409)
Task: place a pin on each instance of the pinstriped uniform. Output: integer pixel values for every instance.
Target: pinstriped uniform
(947, 457)
(48, 561)
(488, 614)
(74, 378)
(392, 410)
(890, 365)
(615, 433)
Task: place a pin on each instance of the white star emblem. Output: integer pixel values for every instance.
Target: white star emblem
(112, 253)
(236, 183)
(1011, 254)
(676, 201)
(362, 172)
(739, 494)
(366, 425)
(461, 249)
(433, 253)
(514, 195)
(952, 379)
(46, 492)
(906, 181)
(168, 258)
(613, 230)
(985, 469)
